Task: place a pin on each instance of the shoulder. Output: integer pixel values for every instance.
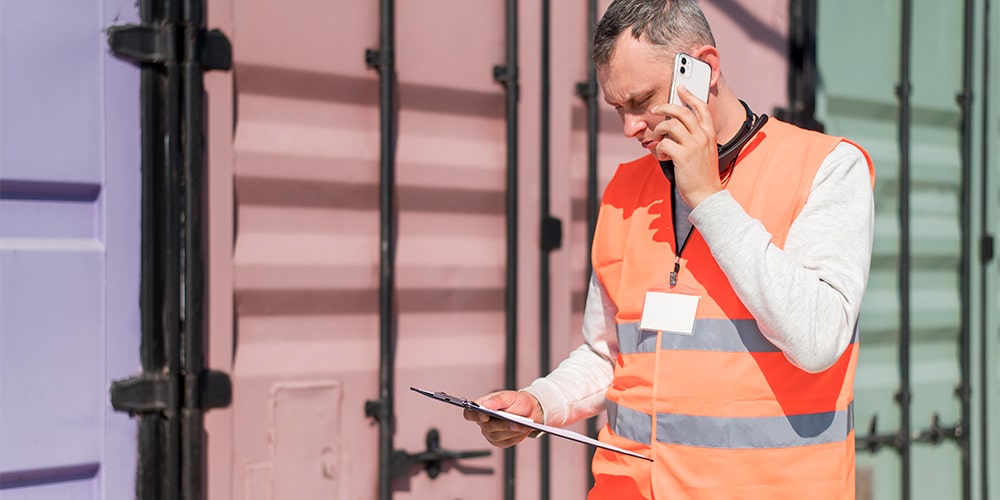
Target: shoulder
(787, 134)
(846, 152)
(832, 151)
(642, 164)
(634, 171)
(847, 162)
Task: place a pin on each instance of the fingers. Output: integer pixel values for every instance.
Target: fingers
(500, 432)
(679, 142)
(699, 108)
(692, 113)
(475, 416)
(516, 402)
(687, 113)
(686, 129)
(500, 400)
(503, 433)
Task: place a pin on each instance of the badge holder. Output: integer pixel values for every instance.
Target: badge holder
(670, 309)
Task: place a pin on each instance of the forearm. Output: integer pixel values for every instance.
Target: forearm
(576, 388)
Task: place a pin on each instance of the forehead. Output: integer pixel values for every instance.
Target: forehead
(635, 65)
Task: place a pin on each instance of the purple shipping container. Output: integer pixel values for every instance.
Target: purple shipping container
(69, 250)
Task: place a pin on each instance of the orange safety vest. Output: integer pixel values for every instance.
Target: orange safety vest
(722, 413)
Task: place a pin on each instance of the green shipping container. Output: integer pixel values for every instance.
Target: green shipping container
(937, 164)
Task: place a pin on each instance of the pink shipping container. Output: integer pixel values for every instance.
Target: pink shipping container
(294, 232)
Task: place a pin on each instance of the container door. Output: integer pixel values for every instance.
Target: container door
(859, 70)
(69, 250)
(304, 160)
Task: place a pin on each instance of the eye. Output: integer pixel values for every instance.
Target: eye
(642, 102)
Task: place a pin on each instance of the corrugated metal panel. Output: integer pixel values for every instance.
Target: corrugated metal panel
(988, 183)
(305, 171)
(69, 250)
(306, 249)
(986, 194)
(858, 73)
(936, 204)
(856, 99)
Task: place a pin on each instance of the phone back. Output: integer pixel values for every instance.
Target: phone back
(694, 74)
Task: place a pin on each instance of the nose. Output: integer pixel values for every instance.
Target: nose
(632, 125)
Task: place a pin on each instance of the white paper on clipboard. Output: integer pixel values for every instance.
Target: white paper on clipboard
(527, 422)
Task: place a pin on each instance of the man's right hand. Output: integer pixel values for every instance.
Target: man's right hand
(502, 433)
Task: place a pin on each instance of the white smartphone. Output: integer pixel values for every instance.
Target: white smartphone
(694, 74)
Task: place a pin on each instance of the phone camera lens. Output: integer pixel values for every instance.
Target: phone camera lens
(684, 60)
(683, 70)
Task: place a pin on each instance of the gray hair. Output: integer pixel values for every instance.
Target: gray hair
(671, 24)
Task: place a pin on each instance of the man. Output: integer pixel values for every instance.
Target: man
(767, 249)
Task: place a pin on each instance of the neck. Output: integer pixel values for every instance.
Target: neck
(729, 114)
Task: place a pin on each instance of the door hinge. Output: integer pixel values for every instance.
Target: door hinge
(379, 59)
(986, 248)
(214, 390)
(585, 91)
(551, 233)
(505, 75)
(145, 44)
(158, 392)
(216, 51)
(145, 393)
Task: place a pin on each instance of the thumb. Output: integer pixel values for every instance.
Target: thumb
(516, 402)
(500, 400)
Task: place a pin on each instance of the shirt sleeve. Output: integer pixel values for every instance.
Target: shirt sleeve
(806, 297)
(576, 388)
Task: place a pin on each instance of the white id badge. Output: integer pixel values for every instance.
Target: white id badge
(669, 312)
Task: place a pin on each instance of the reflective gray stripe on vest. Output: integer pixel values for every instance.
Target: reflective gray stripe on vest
(630, 424)
(734, 433)
(717, 335)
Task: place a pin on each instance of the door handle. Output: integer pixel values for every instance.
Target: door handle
(432, 459)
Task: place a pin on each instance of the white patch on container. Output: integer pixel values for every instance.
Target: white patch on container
(305, 440)
(258, 482)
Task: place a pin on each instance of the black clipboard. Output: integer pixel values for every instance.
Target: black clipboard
(527, 422)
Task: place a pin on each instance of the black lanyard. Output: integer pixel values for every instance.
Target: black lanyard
(680, 248)
(728, 154)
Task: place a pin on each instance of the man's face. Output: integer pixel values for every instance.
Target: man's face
(635, 80)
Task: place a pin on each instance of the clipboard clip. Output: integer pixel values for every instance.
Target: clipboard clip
(455, 400)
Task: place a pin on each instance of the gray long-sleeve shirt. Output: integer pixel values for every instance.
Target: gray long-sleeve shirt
(805, 297)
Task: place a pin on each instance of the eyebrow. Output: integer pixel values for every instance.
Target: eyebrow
(630, 98)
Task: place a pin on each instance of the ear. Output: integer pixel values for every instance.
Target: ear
(710, 55)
